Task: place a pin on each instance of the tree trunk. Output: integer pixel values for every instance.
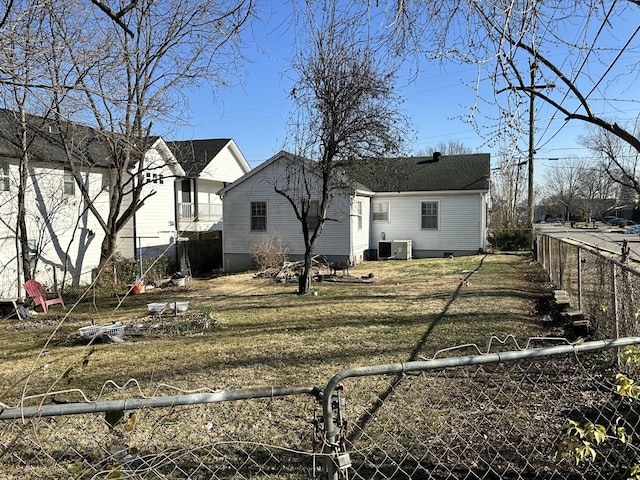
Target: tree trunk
(21, 223)
(304, 281)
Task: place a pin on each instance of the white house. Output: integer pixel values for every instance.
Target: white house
(430, 206)
(64, 237)
(440, 204)
(152, 229)
(208, 166)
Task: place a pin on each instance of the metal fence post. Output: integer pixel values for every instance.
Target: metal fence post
(337, 460)
(560, 265)
(614, 293)
(579, 278)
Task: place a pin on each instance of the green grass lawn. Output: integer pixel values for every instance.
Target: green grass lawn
(242, 331)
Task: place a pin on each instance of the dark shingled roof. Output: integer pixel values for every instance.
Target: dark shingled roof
(45, 143)
(422, 174)
(195, 155)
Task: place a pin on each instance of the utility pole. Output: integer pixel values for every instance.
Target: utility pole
(533, 67)
(531, 197)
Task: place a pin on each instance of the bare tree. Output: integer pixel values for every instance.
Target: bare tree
(597, 192)
(347, 112)
(564, 183)
(134, 81)
(564, 54)
(508, 193)
(23, 57)
(618, 158)
(452, 147)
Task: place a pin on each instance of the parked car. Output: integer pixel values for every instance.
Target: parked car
(618, 222)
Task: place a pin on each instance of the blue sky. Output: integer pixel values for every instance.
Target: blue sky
(255, 113)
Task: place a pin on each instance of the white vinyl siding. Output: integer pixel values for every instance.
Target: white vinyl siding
(69, 247)
(238, 240)
(227, 166)
(154, 225)
(459, 222)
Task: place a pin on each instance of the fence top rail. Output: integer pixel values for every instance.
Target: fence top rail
(50, 410)
(442, 363)
(601, 252)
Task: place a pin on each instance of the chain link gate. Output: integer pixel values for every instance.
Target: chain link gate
(485, 415)
(497, 415)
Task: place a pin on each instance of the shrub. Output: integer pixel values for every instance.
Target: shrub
(269, 253)
(120, 272)
(510, 239)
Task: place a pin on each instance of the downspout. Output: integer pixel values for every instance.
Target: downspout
(352, 204)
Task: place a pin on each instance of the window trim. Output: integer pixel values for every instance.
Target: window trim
(358, 212)
(386, 211)
(253, 216)
(423, 216)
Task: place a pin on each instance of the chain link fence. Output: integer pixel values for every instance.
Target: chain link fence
(498, 412)
(603, 286)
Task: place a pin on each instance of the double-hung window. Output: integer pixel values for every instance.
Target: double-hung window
(258, 216)
(429, 215)
(69, 183)
(358, 214)
(380, 211)
(313, 215)
(4, 177)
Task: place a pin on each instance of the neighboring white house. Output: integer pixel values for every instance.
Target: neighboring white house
(439, 203)
(209, 165)
(185, 212)
(65, 237)
(152, 229)
(435, 206)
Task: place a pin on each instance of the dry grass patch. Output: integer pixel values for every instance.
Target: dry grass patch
(260, 333)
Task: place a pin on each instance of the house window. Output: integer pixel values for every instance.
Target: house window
(429, 215)
(69, 183)
(359, 214)
(380, 211)
(154, 178)
(313, 215)
(258, 216)
(33, 253)
(4, 176)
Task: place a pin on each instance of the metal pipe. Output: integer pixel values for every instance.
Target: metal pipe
(51, 410)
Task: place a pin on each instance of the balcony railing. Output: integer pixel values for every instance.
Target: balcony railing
(206, 212)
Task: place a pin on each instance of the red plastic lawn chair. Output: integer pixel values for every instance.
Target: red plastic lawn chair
(36, 292)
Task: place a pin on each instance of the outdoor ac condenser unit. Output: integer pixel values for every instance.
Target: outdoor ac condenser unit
(384, 250)
(402, 249)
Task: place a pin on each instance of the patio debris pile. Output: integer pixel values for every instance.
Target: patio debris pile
(321, 270)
